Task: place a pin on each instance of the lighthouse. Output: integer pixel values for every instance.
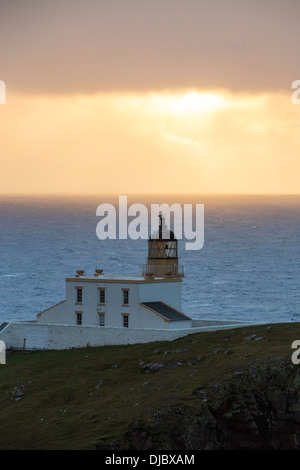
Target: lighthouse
(162, 253)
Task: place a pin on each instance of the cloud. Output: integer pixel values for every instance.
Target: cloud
(71, 47)
(181, 140)
(111, 143)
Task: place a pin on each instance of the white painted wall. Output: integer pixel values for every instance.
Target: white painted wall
(41, 336)
(53, 314)
(168, 292)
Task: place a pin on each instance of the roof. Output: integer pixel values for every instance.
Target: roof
(163, 233)
(165, 311)
(122, 279)
(163, 236)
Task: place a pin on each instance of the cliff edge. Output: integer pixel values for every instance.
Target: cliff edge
(232, 389)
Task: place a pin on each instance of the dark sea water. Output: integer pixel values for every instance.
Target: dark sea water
(248, 268)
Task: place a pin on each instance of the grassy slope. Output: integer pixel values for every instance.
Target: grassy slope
(78, 399)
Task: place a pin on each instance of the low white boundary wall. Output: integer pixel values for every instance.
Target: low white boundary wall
(37, 336)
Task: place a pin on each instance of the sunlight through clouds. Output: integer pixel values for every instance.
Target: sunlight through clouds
(187, 103)
(216, 142)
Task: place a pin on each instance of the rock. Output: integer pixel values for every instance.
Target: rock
(258, 409)
(179, 363)
(249, 337)
(17, 392)
(139, 438)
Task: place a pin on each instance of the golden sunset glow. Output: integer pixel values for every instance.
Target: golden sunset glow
(185, 103)
(189, 142)
(149, 99)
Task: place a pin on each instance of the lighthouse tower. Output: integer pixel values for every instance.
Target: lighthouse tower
(162, 253)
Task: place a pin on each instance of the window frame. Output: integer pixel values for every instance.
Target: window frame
(125, 293)
(78, 318)
(125, 320)
(101, 318)
(102, 294)
(79, 294)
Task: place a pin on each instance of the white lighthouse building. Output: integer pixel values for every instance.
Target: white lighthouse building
(103, 310)
(152, 300)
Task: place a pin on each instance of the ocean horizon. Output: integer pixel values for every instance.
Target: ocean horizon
(248, 268)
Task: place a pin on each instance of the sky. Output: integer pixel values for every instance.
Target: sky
(152, 97)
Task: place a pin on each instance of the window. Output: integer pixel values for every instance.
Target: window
(101, 319)
(125, 321)
(79, 295)
(79, 318)
(125, 297)
(102, 296)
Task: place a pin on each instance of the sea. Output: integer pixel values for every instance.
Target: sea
(247, 270)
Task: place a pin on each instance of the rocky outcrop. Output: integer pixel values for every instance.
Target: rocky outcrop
(259, 408)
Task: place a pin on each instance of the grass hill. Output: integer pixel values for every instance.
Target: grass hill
(188, 393)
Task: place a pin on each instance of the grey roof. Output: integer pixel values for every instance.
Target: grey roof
(3, 325)
(169, 313)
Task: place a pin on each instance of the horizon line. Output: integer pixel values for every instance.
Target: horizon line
(122, 193)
